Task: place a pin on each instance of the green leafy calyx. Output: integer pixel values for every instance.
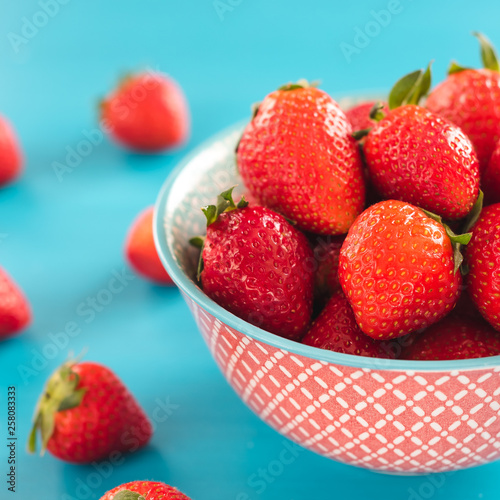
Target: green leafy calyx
(457, 240)
(225, 203)
(128, 495)
(488, 52)
(411, 88)
(300, 84)
(61, 393)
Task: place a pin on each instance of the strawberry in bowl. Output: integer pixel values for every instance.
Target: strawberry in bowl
(329, 385)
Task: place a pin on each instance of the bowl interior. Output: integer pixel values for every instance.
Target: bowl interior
(198, 179)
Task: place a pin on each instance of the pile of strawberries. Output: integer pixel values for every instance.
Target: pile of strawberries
(366, 228)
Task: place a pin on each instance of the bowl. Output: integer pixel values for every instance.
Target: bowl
(391, 416)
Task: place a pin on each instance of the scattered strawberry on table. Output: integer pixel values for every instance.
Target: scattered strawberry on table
(140, 249)
(11, 158)
(253, 264)
(86, 413)
(144, 490)
(147, 112)
(15, 311)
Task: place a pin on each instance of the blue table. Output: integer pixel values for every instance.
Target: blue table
(63, 235)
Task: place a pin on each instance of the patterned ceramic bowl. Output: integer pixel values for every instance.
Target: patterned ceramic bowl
(392, 416)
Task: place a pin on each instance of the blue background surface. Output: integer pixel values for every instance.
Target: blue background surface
(62, 238)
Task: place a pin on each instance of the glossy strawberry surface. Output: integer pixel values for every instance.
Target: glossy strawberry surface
(359, 115)
(455, 337)
(490, 181)
(397, 270)
(141, 252)
(471, 100)
(108, 419)
(150, 490)
(147, 112)
(416, 156)
(15, 311)
(483, 260)
(298, 157)
(336, 329)
(11, 159)
(260, 268)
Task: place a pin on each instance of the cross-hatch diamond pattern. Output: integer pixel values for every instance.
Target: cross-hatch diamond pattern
(393, 421)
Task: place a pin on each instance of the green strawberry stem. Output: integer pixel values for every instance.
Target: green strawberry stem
(359, 134)
(410, 88)
(225, 203)
(456, 68)
(376, 111)
(128, 495)
(457, 240)
(488, 56)
(300, 84)
(488, 53)
(474, 213)
(60, 393)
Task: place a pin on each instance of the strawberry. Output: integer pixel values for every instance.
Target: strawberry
(359, 115)
(336, 329)
(483, 261)
(11, 160)
(326, 255)
(470, 98)
(414, 155)
(255, 264)
(141, 252)
(15, 311)
(491, 178)
(298, 157)
(399, 269)
(455, 338)
(147, 112)
(86, 413)
(144, 490)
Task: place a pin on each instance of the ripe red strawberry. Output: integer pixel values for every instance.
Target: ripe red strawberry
(470, 98)
(336, 329)
(144, 490)
(15, 312)
(86, 413)
(490, 181)
(257, 266)
(298, 157)
(141, 252)
(399, 269)
(359, 115)
(10, 153)
(326, 254)
(416, 156)
(483, 260)
(455, 338)
(147, 112)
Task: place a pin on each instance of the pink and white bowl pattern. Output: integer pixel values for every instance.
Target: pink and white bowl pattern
(389, 416)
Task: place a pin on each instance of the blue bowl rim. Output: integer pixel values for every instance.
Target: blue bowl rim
(196, 294)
